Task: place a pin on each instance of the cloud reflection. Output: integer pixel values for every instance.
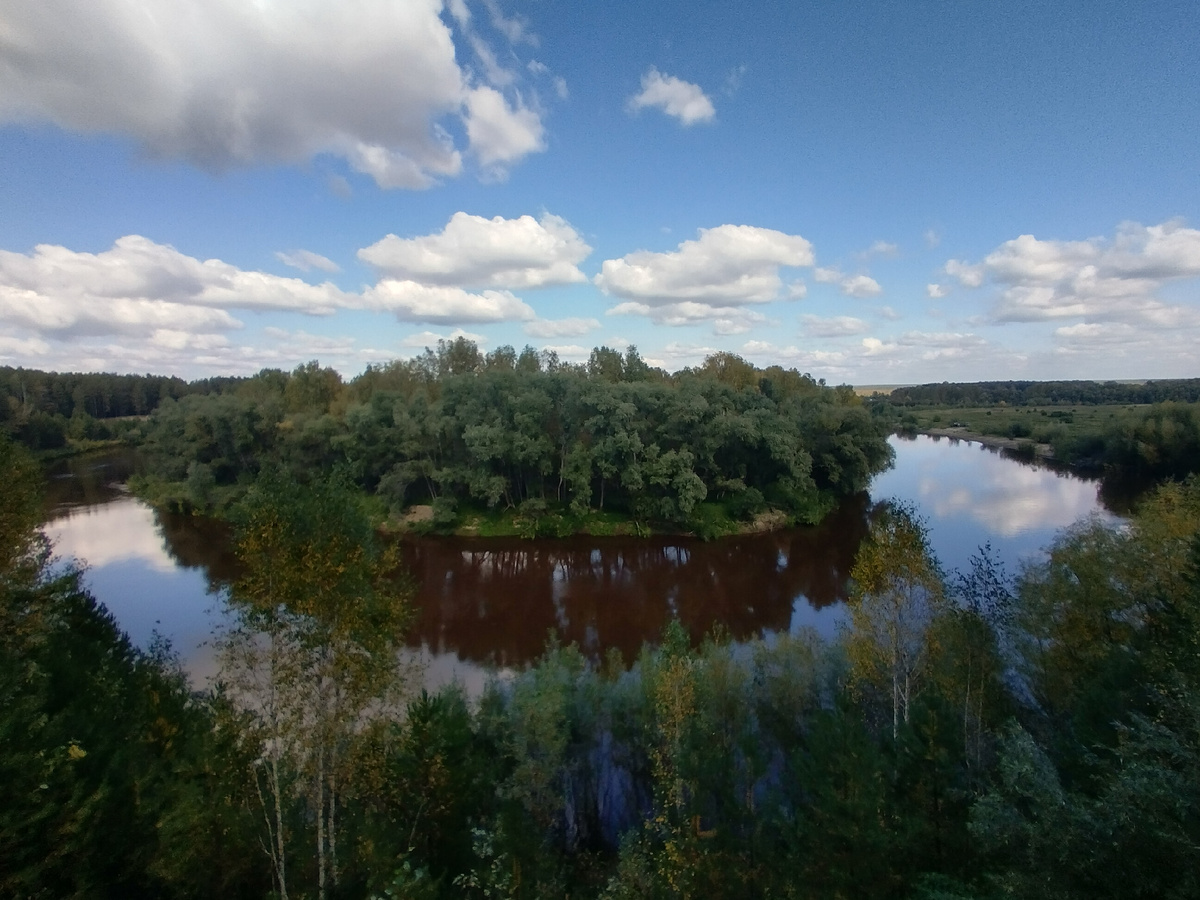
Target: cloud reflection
(121, 531)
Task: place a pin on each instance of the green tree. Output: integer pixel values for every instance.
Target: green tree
(314, 657)
(897, 591)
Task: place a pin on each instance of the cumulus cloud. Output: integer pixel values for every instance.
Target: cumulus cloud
(1098, 279)
(936, 291)
(411, 301)
(725, 319)
(138, 287)
(725, 268)
(554, 328)
(967, 275)
(499, 133)
(860, 286)
(924, 346)
(675, 97)
(223, 84)
(472, 251)
(306, 260)
(835, 326)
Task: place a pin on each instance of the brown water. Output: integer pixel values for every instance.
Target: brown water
(492, 602)
(496, 599)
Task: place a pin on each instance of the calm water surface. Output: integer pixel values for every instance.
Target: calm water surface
(491, 602)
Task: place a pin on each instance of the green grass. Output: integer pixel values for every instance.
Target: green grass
(1038, 424)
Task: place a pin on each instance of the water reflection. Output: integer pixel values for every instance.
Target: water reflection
(496, 599)
(972, 495)
(492, 601)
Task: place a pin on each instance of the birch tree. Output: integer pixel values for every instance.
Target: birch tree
(896, 591)
(314, 656)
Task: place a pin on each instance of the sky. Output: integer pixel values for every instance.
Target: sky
(870, 191)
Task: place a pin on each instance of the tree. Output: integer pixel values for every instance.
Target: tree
(313, 658)
(896, 592)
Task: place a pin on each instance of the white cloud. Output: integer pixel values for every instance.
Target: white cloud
(514, 28)
(423, 339)
(472, 251)
(553, 328)
(443, 304)
(850, 285)
(675, 97)
(860, 286)
(766, 353)
(886, 312)
(306, 260)
(141, 289)
(139, 286)
(22, 348)
(932, 238)
(835, 326)
(967, 275)
(568, 352)
(726, 267)
(936, 291)
(499, 133)
(924, 346)
(223, 83)
(1098, 279)
(725, 319)
(881, 248)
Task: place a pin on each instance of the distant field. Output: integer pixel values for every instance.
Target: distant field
(866, 390)
(1040, 424)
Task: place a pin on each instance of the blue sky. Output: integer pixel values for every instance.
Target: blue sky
(873, 192)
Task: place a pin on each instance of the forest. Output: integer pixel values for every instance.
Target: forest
(1130, 434)
(968, 735)
(977, 734)
(525, 442)
(1047, 393)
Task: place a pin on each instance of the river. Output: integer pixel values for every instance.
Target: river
(488, 604)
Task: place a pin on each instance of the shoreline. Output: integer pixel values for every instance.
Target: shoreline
(1021, 446)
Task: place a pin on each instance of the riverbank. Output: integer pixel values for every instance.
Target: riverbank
(710, 521)
(1022, 447)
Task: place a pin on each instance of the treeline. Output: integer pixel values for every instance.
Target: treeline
(968, 737)
(1151, 444)
(1045, 393)
(43, 409)
(457, 429)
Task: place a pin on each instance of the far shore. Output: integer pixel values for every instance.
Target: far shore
(1017, 445)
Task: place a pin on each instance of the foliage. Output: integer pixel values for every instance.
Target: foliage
(897, 592)
(312, 660)
(503, 431)
(114, 778)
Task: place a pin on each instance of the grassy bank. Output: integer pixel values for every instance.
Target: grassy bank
(534, 519)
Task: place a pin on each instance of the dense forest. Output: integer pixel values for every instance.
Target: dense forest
(967, 736)
(1046, 393)
(43, 409)
(560, 445)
